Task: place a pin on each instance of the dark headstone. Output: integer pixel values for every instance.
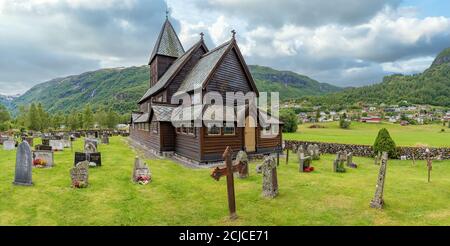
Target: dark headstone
(23, 165)
(92, 158)
(43, 147)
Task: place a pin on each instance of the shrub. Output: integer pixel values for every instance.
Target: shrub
(384, 142)
(344, 123)
(289, 119)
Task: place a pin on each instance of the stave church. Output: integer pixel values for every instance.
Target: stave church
(175, 71)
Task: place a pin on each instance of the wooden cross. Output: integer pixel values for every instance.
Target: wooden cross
(218, 172)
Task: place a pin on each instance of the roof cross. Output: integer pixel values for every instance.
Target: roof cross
(233, 33)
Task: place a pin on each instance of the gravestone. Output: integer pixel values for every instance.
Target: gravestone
(57, 145)
(66, 143)
(258, 168)
(304, 163)
(350, 161)
(270, 179)
(23, 165)
(339, 162)
(92, 141)
(316, 152)
(403, 158)
(242, 158)
(310, 151)
(377, 201)
(294, 148)
(105, 139)
(377, 158)
(43, 147)
(141, 172)
(42, 158)
(89, 147)
(94, 159)
(46, 141)
(80, 175)
(29, 140)
(9, 145)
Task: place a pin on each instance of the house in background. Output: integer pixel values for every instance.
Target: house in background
(371, 119)
(175, 71)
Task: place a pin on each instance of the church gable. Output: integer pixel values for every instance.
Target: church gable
(185, 70)
(230, 75)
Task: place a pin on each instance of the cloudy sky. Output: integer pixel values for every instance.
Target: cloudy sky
(342, 42)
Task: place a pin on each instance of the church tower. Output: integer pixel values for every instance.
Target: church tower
(167, 49)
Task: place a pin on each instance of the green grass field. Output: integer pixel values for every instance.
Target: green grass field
(183, 196)
(365, 133)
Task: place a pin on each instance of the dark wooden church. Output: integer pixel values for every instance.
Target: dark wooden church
(174, 70)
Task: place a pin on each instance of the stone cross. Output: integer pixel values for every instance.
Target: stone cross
(24, 161)
(377, 201)
(270, 179)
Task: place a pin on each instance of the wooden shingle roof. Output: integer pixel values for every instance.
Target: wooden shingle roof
(205, 66)
(167, 43)
(172, 71)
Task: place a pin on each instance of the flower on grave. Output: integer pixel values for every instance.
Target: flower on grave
(92, 164)
(143, 180)
(39, 163)
(308, 169)
(79, 184)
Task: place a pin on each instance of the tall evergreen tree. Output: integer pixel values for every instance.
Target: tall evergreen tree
(4, 118)
(33, 118)
(88, 117)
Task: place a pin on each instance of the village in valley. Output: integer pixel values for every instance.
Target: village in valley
(181, 157)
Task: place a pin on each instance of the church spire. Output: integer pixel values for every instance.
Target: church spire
(168, 43)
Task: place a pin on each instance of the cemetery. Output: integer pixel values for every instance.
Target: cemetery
(389, 192)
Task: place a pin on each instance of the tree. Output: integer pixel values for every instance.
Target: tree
(343, 122)
(33, 118)
(43, 118)
(88, 118)
(384, 143)
(290, 120)
(4, 119)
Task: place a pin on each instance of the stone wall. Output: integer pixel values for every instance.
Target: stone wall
(366, 150)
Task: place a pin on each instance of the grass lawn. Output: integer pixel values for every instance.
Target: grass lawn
(183, 196)
(365, 133)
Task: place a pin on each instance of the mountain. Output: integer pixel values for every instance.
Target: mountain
(121, 88)
(290, 85)
(7, 101)
(442, 58)
(430, 87)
